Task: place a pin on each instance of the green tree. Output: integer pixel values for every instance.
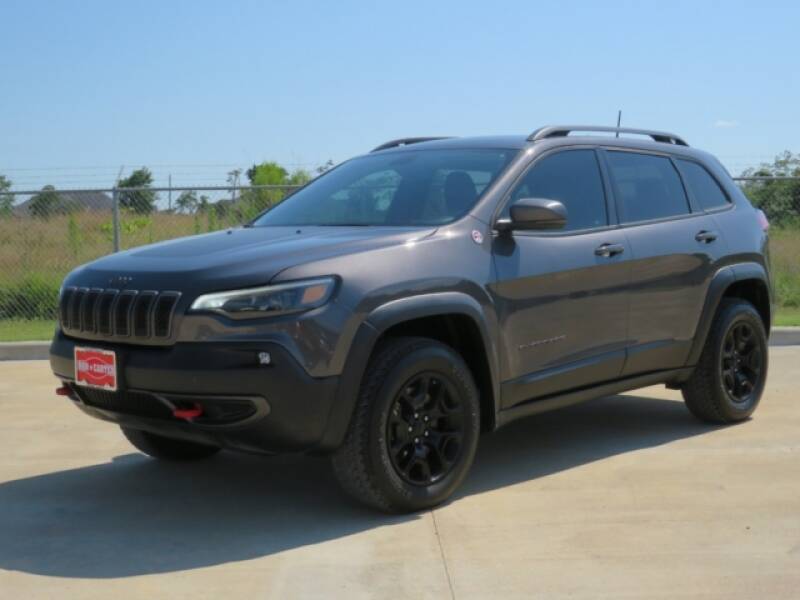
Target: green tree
(187, 202)
(6, 200)
(326, 167)
(267, 173)
(778, 198)
(141, 201)
(299, 177)
(46, 203)
(254, 201)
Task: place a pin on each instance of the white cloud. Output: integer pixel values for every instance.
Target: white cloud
(725, 124)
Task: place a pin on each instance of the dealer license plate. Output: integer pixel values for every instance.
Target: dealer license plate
(96, 368)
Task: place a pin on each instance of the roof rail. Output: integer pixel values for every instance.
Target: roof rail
(407, 141)
(551, 131)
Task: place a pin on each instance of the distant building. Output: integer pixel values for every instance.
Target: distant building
(70, 202)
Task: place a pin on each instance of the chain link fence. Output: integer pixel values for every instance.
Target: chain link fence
(45, 234)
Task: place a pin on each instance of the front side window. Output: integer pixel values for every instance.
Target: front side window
(702, 185)
(648, 186)
(408, 188)
(573, 178)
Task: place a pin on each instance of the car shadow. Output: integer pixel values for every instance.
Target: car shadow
(135, 516)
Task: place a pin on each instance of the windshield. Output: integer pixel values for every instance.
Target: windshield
(413, 187)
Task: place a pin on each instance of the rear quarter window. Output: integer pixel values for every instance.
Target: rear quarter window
(648, 186)
(702, 185)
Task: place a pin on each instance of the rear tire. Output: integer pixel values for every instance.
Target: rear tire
(414, 430)
(165, 448)
(727, 384)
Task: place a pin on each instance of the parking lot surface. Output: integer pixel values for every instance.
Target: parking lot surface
(624, 497)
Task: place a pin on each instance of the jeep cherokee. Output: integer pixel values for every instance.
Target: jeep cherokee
(402, 303)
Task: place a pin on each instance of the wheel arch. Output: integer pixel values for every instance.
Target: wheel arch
(748, 281)
(454, 318)
(752, 284)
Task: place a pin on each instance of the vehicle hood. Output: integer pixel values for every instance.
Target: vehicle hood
(234, 257)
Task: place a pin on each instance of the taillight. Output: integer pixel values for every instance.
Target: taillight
(762, 219)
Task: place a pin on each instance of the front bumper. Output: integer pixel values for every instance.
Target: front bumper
(248, 406)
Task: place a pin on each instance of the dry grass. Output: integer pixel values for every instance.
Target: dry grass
(55, 246)
(36, 254)
(785, 254)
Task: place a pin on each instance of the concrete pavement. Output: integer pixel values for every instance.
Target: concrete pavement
(625, 497)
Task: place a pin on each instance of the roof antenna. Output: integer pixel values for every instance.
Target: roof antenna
(619, 120)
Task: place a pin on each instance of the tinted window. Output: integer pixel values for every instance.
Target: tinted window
(702, 185)
(648, 186)
(573, 178)
(414, 187)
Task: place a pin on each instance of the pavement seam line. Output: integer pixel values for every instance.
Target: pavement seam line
(444, 558)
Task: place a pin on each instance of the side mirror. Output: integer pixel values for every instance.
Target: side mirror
(534, 213)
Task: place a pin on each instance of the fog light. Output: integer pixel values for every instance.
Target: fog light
(264, 358)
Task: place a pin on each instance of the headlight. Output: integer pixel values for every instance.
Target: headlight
(280, 299)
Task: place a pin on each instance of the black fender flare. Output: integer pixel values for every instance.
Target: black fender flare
(377, 322)
(721, 281)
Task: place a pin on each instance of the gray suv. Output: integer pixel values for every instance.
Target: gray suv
(408, 300)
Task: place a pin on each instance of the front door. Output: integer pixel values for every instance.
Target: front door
(562, 296)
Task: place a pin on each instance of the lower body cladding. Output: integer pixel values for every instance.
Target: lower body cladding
(210, 393)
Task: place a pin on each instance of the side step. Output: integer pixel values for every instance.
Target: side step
(540, 405)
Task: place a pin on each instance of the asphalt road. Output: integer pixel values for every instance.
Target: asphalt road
(624, 497)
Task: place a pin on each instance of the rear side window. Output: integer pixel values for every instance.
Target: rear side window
(702, 185)
(573, 178)
(648, 186)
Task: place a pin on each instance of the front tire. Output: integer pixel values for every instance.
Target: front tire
(165, 448)
(415, 427)
(727, 384)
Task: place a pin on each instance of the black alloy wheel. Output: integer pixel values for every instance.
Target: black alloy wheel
(742, 362)
(425, 429)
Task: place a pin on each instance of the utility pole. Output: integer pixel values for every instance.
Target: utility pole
(619, 120)
(169, 194)
(115, 210)
(233, 179)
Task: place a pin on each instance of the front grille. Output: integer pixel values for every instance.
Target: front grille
(111, 313)
(132, 403)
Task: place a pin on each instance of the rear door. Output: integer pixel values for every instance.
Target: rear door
(675, 249)
(562, 295)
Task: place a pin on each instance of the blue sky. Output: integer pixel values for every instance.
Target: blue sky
(196, 88)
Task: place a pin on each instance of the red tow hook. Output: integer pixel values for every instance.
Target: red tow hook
(64, 390)
(188, 413)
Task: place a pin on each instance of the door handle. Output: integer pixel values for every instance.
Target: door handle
(609, 250)
(706, 236)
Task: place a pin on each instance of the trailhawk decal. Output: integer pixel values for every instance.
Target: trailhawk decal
(535, 343)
